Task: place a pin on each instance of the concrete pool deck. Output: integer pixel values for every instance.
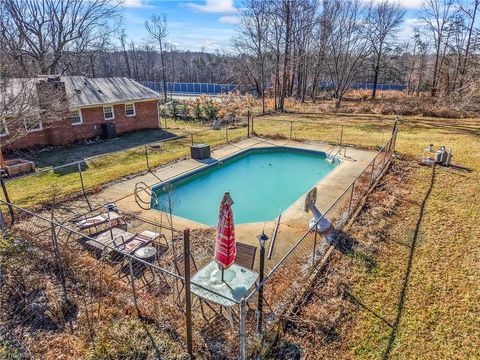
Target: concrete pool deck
(294, 220)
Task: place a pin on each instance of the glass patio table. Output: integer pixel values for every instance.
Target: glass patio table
(237, 280)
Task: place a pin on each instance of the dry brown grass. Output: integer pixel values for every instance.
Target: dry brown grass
(406, 298)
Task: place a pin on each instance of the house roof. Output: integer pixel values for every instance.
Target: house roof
(18, 94)
(83, 91)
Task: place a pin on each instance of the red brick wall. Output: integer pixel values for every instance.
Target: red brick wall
(62, 132)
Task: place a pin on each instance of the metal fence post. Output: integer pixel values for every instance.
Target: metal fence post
(191, 138)
(188, 295)
(291, 129)
(243, 330)
(226, 132)
(132, 282)
(314, 245)
(373, 168)
(248, 123)
(56, 253)
(341, 136)
(146, 157)
(351, 198)
(7, 199)
(83, 186)
(252, 130)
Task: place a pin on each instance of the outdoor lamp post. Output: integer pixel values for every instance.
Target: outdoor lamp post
(110, 207)
(262, 238)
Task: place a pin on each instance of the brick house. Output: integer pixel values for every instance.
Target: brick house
(82, 105)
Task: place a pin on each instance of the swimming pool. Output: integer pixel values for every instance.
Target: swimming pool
(262, 182)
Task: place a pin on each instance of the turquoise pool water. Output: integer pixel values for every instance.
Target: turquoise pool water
(262, 182)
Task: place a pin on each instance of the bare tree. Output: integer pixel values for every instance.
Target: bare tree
(157, 29)
(49, 30)
(122, 39)
(252, 41)
(471, 13)
(436, 16)
(383, 19)
(348, 44)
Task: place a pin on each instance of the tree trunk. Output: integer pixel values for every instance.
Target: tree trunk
(164, 78)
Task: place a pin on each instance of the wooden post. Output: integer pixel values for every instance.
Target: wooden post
(7, 199)
(188, 295)
(83, 186)
(2, 161)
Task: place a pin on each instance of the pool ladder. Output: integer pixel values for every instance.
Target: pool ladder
(331, 156)
(141, 187)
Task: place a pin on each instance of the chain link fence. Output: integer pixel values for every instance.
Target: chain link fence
(65, 289)
(60, 284)
(92, 174)
(322, 131)
(288, 275)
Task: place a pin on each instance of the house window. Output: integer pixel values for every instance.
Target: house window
(108, 113)
(33, 124)
(130, 109)
(3, 128)
(75, 117)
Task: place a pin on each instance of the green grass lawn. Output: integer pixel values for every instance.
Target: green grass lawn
(116, 163)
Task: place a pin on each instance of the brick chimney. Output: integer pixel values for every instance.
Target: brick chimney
(52, 98)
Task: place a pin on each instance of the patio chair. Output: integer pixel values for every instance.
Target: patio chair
(159, 241)
(245, 255)
(180, 270)
(94, 222)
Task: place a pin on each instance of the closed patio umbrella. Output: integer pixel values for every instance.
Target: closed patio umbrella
(225, 249)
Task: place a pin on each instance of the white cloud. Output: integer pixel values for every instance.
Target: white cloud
(411, 4)
(408, 4)
(214, 6)
(229, 19)
(134, 3)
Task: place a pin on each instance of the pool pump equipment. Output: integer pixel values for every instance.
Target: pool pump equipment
(443, 156)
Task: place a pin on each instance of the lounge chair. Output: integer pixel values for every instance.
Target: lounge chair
(94, 222)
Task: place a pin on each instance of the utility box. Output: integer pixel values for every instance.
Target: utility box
(200, 151)
(109, 131)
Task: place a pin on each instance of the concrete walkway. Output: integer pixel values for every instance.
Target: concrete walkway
(294, 222)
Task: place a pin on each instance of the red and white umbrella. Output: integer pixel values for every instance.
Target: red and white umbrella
(225, 249)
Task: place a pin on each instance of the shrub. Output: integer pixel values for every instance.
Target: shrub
(210, 109)
(173, 109)
(183, 110)
(197, 110)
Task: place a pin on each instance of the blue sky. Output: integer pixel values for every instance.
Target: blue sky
(209, 24)
(192, 25)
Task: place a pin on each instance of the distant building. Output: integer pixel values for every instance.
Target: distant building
(70, 108)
